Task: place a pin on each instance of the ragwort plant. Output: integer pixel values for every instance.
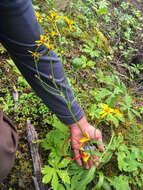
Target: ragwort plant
(102, 111)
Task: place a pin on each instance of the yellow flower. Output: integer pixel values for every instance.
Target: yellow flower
(34, 54)
(85, 156)
(62, 52)
(49, 19)
(42, 40)
(106, 110)
(116, 111)
(54, 34)
(39, 17)
(70, 22)
(49, 46)
(85, 139)
(81, 147)
(45, 41)
(54, 14)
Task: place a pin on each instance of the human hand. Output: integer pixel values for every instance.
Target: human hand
(76, 136)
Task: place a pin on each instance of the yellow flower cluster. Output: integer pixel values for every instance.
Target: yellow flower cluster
(110, 111)
(54, 17)
(44, 40)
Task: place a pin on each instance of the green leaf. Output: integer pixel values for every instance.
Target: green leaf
(64, 176)
(77, 62)
(55, 182)
(87, 179)
(63, 163)
(48, 171)
(120, 183)
(100, 182)
(130, 114)
(106, 186)
(95, 53)
(128, 100)
(61, 187)
(136, 113)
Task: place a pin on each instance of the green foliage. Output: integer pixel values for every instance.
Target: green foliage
(55, 172)
(83, 62)
(120, 182)
(129, 159)
(105, 38)
(90, 50)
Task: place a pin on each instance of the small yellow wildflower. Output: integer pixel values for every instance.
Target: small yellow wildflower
(106, 110)
(42, 40)
(49, 19)
(70, 22)
(34, 54)
(54, 34)
(49, 46)
(116, 111)
(85, 139)
(85, 156)
(39, 17)
(62, 52)
(54, 14)
(81, 147)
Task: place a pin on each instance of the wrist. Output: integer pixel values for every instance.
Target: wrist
(83, 123)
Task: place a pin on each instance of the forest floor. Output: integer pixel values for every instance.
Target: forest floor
(118, 32)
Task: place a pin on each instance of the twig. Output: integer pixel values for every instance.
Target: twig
(32, 136)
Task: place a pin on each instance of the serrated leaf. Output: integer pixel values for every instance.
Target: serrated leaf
(120, 182)
(55, 181)
(64, 176)
(49, 172)
(63, 163)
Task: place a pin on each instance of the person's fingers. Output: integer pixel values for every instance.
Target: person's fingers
(86, 165)
(77, 155)
(90, 163)
(101, 147)
(96, 160)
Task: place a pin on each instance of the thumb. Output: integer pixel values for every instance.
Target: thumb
(98, 136)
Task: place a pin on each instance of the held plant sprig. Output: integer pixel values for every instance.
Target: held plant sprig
(45, 40)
